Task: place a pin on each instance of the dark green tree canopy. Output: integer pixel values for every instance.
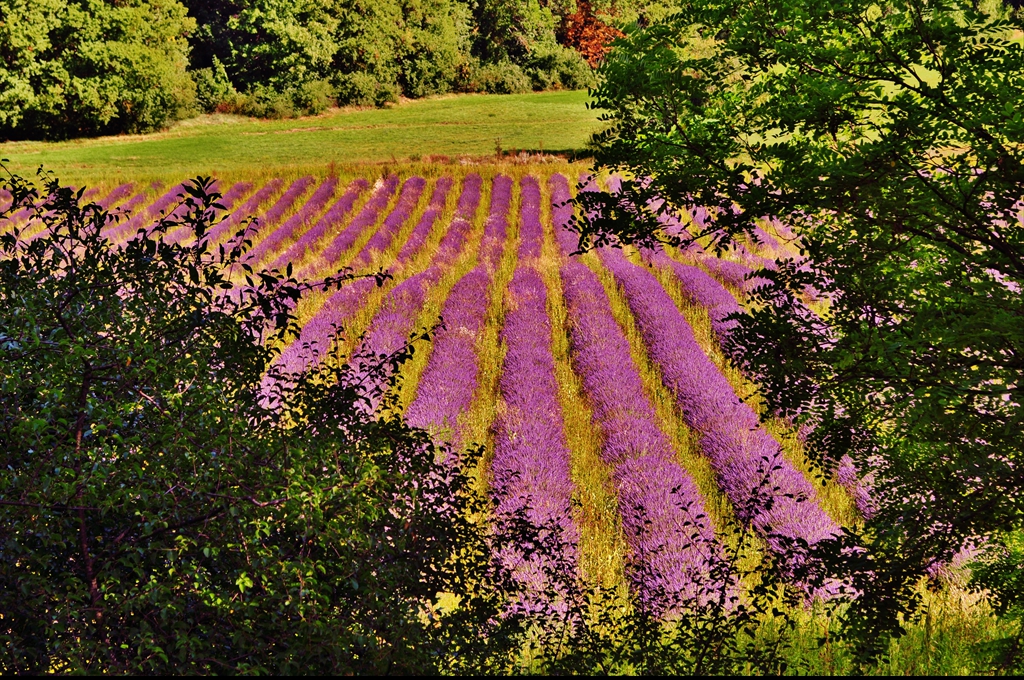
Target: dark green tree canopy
(891, 138)
(87, 67)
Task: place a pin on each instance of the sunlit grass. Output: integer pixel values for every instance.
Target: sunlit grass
(412, 132)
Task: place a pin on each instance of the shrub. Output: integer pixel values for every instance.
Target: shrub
(503, 77)
(313, 97)
(553, 66)
(213, 88)
(363, 89)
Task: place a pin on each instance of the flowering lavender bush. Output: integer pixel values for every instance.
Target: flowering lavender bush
(745, 457)
(449, 381)
(366, 218)
(766, 240)
(422, 229)
(286, 201)
(672, 542)
(562, 214)
(727, 271)
(277, 211)
(350, 298)
(286, 231)
(246, 210)
(530, 469)
(701, 289)
(118, 193)
(492, 246)
(856, 485)
(531, 233)
(227, 201)
(408, 197)
(329, 220)
(143, 218)
(390, 329)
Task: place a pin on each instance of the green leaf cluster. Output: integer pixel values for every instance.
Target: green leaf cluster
(87, 67)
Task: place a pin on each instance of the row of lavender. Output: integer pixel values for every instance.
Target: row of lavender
(673, 546)
(670, 536)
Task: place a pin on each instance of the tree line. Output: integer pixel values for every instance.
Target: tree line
(93, 67)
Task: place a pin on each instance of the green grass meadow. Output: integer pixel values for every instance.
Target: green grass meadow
(441, 129)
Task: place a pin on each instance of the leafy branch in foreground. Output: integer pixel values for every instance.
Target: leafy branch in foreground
(890, 138)
(157, 514)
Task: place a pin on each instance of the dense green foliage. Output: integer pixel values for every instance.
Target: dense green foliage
(93, 67)
(891, 138)
(299, 55)
(164, 506)
(87, 67)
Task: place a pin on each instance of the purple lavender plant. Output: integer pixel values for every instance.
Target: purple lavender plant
(286, 201)
(132, 204)
(671, 539)
(245, 211)
(117, 232)
(531, 233)
(119, 193)
(749, 463)
(447, 386)
(701, 289)
(330, 219)
(277, 211)
(857, 486)
(530, 473)
(390, 329)
(343, 304)
(561, 213)
(236, 191)
(768, 241)
(493, 244)
(732, 273)
(423, 228)
(362, 221)
(387, 335)
(286, 232)
(407, 200)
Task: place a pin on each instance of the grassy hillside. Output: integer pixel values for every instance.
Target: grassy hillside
(455, 126)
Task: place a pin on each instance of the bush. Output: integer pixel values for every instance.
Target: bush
(213, 88)
(313, 97)
(553, 66)
(502, 77)
(363, 89)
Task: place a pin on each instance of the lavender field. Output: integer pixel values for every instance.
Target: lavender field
(595, 383)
